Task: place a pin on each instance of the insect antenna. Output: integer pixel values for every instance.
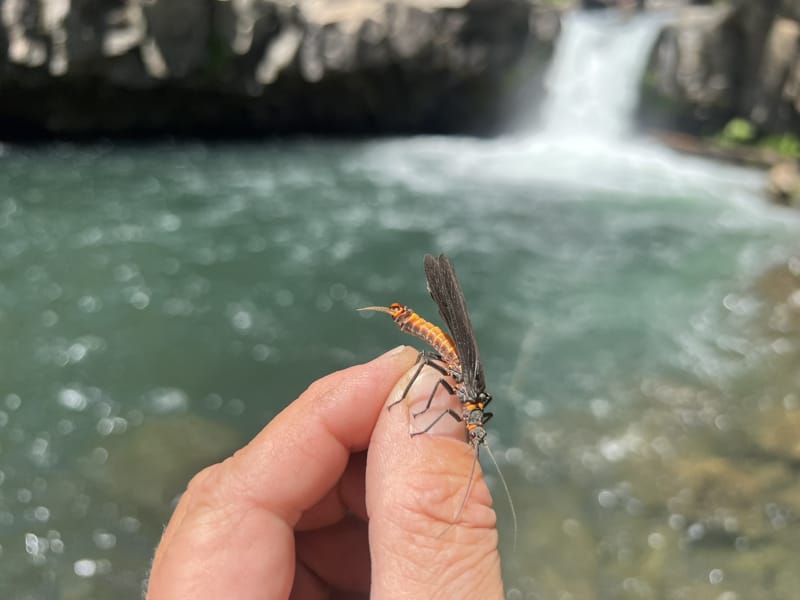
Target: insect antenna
(508, 493)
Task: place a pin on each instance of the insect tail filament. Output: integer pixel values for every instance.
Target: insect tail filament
(508, 493)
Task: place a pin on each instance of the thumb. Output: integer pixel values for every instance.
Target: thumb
(415, 487)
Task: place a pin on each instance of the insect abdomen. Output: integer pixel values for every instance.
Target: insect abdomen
(437, 339)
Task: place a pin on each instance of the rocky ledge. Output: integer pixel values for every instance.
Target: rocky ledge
(232, 67)
(730, 59)
(724, 62)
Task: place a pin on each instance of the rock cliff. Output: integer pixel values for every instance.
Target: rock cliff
(736, 59)
(232, 67)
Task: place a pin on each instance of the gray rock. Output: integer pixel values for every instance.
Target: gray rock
(178, 32)
(269, 66)
(713, 63)
(693, 61)
(777, 94)
(783, 183)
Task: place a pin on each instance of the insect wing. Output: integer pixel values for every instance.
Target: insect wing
(446, 291)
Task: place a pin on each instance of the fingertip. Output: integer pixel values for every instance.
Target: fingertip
(418, 453)
(400, 355)
(415, 486)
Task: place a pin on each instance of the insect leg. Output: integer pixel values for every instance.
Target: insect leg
(449, 411)
(428, 358)
(442, 383)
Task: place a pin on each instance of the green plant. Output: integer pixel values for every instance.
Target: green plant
(737, 132)
(786, 144)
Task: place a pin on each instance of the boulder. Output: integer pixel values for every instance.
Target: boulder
(783, 183)
(691, 76)
(738, 59)
(776, 97)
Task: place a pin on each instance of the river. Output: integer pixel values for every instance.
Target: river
(637, 313)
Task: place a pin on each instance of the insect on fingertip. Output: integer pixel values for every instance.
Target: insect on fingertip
(455, 365)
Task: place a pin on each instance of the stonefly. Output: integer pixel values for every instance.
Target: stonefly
(455, 355)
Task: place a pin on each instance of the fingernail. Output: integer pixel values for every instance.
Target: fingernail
(398, 350)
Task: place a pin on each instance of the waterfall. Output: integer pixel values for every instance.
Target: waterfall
(593, 82)
(584, 139)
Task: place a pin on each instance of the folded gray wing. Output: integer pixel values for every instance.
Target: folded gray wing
(446, 291)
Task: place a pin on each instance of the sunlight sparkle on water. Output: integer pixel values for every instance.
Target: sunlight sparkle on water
(85, 568)
(168, 400)
(13, 402)
(104, 540)
(41, 514)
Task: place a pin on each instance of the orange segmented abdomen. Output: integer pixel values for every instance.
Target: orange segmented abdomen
(437, 339)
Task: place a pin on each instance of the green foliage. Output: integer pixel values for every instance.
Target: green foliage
(786, 144)
(738, 132)
(742, 134)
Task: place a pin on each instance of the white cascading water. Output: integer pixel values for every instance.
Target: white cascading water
(586, 132)
(584, 137)
(592, 83)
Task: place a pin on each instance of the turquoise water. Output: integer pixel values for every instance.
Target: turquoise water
(158, 305)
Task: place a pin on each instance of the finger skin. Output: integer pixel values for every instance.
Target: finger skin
(232, 534)
(347, 498)
(414, 488)
(339, 554)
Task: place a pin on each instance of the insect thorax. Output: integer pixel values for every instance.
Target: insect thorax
(474, 417)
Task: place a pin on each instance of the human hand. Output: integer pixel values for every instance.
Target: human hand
(304, 512)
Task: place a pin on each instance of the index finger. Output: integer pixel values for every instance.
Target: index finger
(232, 533)
(305, 449)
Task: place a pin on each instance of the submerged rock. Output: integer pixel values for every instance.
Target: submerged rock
(148, 467)
(778, 433)
(779, 287)
(727, 498)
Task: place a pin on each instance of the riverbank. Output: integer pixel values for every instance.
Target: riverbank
(723, 82)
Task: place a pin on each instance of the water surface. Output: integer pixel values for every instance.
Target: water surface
(159, 305)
